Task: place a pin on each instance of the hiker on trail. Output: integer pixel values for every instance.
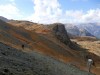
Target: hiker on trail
(89, 64)
(22, 46)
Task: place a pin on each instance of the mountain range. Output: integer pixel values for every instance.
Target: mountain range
(75, 31)
(93, 28)
(82, 29)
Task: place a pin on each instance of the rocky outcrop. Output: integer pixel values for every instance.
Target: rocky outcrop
(4, 19)
(61, 34)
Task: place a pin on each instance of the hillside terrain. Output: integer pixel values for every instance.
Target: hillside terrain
(71, 29)
(91, 44)
(18, 62)
(78, 29)
(52, 42)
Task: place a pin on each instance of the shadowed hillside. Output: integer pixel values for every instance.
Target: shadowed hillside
(61, 34)
(17, 62)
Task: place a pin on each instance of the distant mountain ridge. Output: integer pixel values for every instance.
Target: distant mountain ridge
(93, 28)
(84, 32)
(82, 29)
(75, 31)
(72, 29)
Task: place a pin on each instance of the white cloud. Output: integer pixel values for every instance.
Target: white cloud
(92, 15)
(49, 11)
(46, 11)
(74, 13)
(9, 10)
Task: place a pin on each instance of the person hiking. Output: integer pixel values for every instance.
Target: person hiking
(22, 46)
(90, 62)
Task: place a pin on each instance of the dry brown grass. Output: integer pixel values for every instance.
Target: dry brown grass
(94, 48)
(91, 46)
(49, 45)
(85, 38)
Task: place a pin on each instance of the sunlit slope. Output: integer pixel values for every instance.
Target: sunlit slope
(16, 36)
(43, 40)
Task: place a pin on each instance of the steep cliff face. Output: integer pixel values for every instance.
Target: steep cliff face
(61, 34)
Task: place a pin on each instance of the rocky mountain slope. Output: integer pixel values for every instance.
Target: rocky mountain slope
(44, 40)
(19, 62)
(92, 45)
(89, 29)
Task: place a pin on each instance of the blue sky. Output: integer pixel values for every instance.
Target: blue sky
(50, 11)
(79, 4)
(26, 6)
